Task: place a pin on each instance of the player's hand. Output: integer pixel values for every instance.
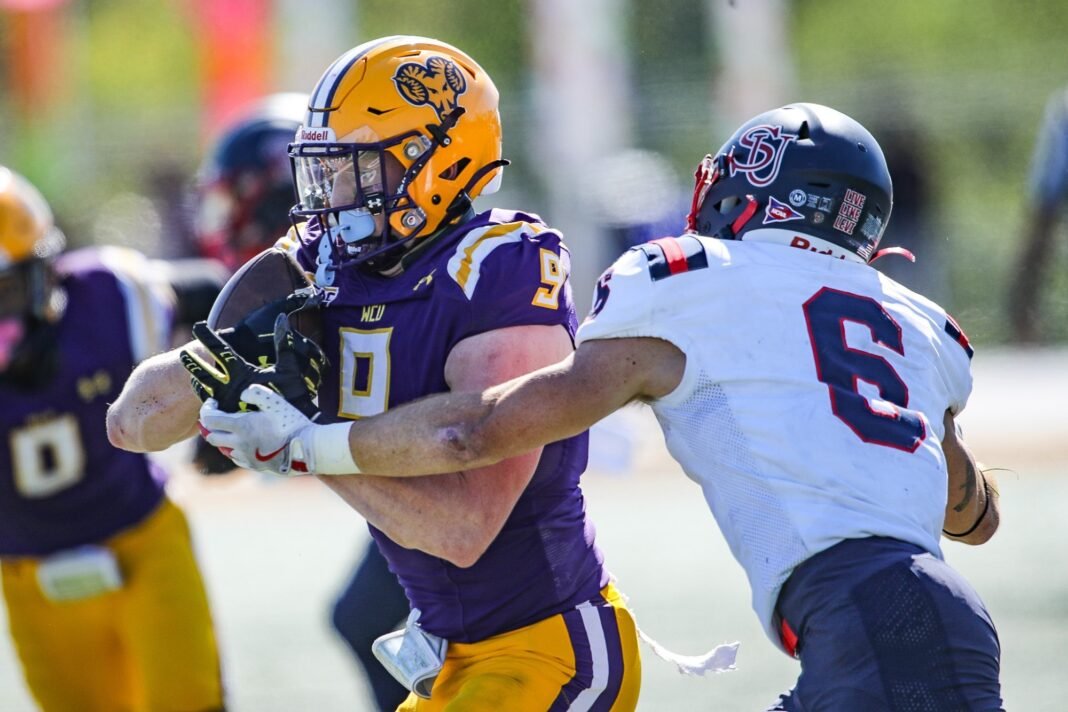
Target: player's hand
(222, 380)
(296, 371)
(253, 337)
(272, 438)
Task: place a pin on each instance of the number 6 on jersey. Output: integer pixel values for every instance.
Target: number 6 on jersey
(844, 368)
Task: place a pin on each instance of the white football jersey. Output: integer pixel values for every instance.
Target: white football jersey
(811, 406)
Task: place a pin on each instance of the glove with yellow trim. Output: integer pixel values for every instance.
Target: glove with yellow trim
(296, 371)
(253, 336)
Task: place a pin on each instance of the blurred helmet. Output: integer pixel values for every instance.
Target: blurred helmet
(28, 242)
(245, 184)
(401, 134)
(803, 174)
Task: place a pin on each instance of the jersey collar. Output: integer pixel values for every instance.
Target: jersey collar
(778, 236)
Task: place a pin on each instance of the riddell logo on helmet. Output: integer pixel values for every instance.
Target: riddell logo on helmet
(307, 134)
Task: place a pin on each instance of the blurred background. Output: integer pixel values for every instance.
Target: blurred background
(607, 105)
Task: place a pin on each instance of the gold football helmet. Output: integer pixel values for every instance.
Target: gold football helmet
(401, 134)
(28, 240)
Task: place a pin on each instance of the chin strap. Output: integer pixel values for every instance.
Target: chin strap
(462, 202)
(730, 230)
(887, 251)
(440, 132)
(708, 172)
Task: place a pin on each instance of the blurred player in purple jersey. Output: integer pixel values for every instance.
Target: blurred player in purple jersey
(244, 191)
(811, 398)
(1047, 195)
(512, 605)
(105, 601)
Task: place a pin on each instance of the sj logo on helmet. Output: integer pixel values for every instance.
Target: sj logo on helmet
(437, 84)
(765, 147)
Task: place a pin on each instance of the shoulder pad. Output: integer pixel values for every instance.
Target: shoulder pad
(957, 334)
(289, 243)
(668, 256)
(465, 264)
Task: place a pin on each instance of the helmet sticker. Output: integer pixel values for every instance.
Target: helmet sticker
(798, 198)
(849, 211)
(872, 227)
(310, 134)
(438, 84)
(765, 146)
(777, 212)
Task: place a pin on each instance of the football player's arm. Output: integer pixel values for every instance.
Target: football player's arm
(972, 509)
(157, 406)
(470, 430)
(457, 515)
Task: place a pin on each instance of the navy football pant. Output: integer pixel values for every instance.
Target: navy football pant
(371, 605)
(885, 626)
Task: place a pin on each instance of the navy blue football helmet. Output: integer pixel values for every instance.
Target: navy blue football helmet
(245, 185)
(802, 168)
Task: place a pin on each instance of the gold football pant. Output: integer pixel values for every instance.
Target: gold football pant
(147, 646)
(582, 659)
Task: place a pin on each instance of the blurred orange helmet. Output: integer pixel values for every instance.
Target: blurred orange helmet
(401, 134)
(26, 227)
(28, 242)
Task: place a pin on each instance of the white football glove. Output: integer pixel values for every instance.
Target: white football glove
(272, 439)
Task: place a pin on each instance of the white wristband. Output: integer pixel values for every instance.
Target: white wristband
(330, 449)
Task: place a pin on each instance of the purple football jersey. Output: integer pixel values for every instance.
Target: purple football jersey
(388, 339)
(62, 484)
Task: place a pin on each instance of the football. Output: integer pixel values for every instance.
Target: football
(267, 277)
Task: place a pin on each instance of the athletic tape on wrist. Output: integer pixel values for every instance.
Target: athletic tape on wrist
(330, 450)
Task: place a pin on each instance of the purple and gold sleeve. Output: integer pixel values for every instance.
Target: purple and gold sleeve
(519, 282)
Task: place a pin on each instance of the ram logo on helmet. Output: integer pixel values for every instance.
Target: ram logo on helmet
(438, 84)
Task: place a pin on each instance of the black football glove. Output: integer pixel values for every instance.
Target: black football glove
(253, 337)
(294, 371)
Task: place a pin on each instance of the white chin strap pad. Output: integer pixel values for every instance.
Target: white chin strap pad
(495, 184)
